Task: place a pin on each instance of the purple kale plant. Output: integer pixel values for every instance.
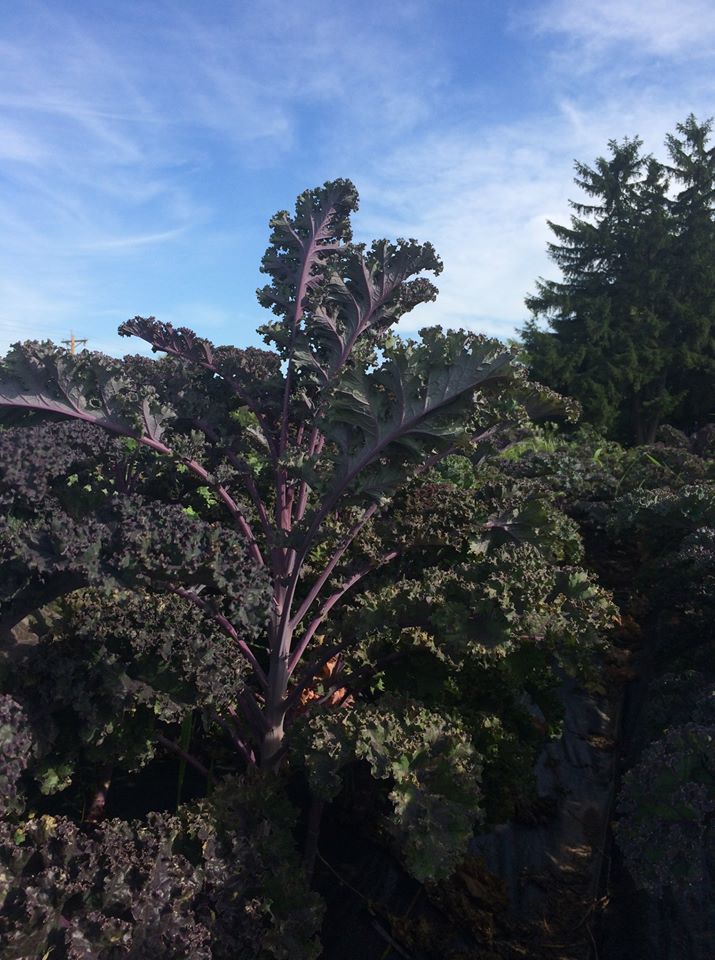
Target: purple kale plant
(218, 880)
(297, 449)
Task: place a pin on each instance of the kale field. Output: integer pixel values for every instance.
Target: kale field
(362, 646)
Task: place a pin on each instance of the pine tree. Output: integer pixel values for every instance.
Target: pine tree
(692, 281)
(631, 333)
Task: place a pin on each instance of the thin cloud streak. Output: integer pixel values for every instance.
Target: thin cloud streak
(663, 28)
(140, 240)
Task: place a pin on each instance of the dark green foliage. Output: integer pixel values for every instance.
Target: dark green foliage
(631, 323)
(648, 514)
(429, 762)
(479, 616)
(675, 699)
(667, 801)
(675, 530)
(692, 285)
(587, 472)
(661, 518)
(666, 806)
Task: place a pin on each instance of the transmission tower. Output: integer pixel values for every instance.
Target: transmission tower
(72, 343)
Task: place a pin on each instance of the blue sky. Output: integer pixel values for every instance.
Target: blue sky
(144, 145)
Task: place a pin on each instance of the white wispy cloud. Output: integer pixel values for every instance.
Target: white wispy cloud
(484, 204)
(667, 28)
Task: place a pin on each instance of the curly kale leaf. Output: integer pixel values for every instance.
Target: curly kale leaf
(475, 618)
(208, 383)
(214, 882)
(666, 808)
(15, 751)
(131, 542)
(431, 768)
(416, 404)
(89, 387)
(301, 247)
(33, 459)
(662, 517)
(110, 674)
(360, 302)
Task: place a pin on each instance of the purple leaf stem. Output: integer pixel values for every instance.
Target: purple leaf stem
(332, 563)
(310, 253)
(315, 447)
(333, 498)
(226, 624)
(246, 752)
(336, 596)
(336, 493)
(175, 748)
(251, 711)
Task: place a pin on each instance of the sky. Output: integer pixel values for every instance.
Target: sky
(145, 145)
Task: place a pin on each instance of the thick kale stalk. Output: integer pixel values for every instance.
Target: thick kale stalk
(300, 448)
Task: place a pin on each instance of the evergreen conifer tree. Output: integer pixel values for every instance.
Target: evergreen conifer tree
(692, 275)
(631, 323)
